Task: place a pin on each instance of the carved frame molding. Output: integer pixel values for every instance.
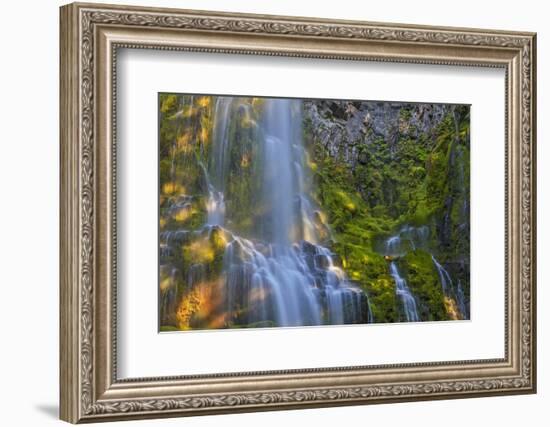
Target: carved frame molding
(90, 37)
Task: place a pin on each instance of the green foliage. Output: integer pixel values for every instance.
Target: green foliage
(206, 250)
(423, 281)
(355, 229)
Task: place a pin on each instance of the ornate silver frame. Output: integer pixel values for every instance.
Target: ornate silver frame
(90, 36)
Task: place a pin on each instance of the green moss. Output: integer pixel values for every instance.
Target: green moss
(207, 249)
(168, 103)
(423, 280)
(191, 217)
(413, 181)
(383, 300)
(355, 228)
(243, 181)
(405, 114)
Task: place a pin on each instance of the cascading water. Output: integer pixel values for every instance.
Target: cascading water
(244, 243)
(215, 203)
(409, 238)
(395, 247)
(449, 289)
(444, 277)
(281, 275)
(461, 300)
(404, 293)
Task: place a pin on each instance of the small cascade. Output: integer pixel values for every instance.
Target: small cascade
(444, 277)
(274, 285)
(185, 120)
(215, 203)
(404, 293)
(449, 289)
(461, 299)
(219, 159)
(338, 291)
(215, 207)
(410, 238)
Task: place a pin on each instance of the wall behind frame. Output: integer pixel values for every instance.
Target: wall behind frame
(29, 171)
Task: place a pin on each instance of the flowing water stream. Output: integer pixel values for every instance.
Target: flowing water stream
(396, 246)
(282, 275)
(409, 238)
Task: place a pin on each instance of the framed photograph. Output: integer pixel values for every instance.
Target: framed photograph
(266, 212)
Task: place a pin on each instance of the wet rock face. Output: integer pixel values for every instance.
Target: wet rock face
(342, 126)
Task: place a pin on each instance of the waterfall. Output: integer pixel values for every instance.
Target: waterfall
(279, 182)
(404, 293)
(281, 275)
(219, 159)
(215, 207)
(461, 300)
(444, 277)
(215, 204)
(279, 282)
(409, 238)
(449, 290)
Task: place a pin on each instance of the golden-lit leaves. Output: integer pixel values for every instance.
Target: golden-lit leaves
(204, 250)
(199, 252)
(191, 304)
(183, 214)
(355, 275)
(218, 240)
(452, 308)
(167, 103)
(245, 160)
(204, 134)
(383, 285)
(312, 166)
(165, 283)
(247, 122)
(184, 140)
(346, 201)
(257, 102)
(199, 307)
(204, 101)
(185, 143)
(172, 188)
